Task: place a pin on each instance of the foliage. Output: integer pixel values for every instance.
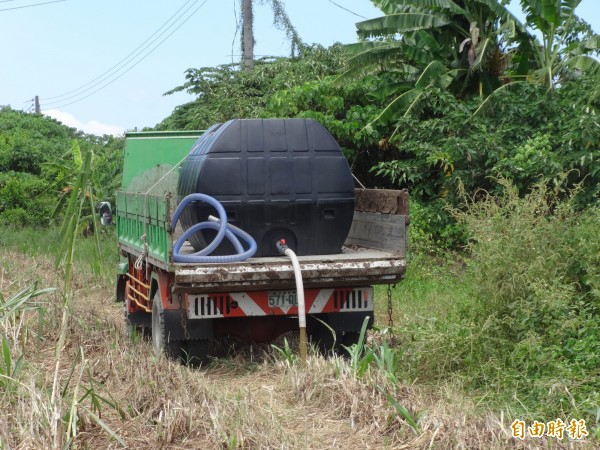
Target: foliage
(468, 48)
(36, 160)
(361, 356)
(536, 273)
(226, 92)
(460, 46)
(567, 42)
(11, 308)
(433, 230)
(401, 410)
(20, 302)
(286, 353)
(21, 199)
(528, 138)
(26, 139)
(529, 329)
(282, 22)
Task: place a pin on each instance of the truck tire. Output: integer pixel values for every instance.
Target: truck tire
(197, 352)
(135, 328)
(320, 335)
(161, 342)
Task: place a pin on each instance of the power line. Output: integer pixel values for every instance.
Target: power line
(346, 9)
(31, 6)
(143, 57)
(237, 28)
(123, 62)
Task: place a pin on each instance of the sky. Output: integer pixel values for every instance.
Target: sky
(102, 66)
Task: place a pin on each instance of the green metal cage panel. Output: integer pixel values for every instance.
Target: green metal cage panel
(152, 159)
(150, 176)
(144, 220)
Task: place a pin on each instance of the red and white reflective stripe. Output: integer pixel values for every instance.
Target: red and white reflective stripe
(256, 303)
(321, 300)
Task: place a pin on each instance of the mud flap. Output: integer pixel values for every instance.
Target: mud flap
(350, 321)
(120, 290)
(181, 329)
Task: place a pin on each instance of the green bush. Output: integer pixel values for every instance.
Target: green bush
(535, 267)
(529, 333)
(23, 200)
(433, 230)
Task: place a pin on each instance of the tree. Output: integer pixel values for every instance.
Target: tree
(470, 47)
(568, 44)
(421, 45)
(37, 159)
(226, 92)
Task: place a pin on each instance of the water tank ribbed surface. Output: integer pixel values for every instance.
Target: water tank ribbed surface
(276, 178)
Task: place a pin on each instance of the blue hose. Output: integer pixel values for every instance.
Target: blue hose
(224, 229)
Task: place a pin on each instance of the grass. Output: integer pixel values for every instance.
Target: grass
(417, 394)
(515, 326)
(32, 243)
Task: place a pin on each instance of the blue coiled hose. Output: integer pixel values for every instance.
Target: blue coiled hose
(224, 230)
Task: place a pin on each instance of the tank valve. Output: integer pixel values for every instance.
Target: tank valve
(281, 246)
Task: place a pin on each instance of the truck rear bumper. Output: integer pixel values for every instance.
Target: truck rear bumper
(278, 303)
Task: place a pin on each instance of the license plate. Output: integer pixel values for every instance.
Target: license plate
(282, 299)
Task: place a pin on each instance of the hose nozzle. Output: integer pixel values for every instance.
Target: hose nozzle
(281, 246)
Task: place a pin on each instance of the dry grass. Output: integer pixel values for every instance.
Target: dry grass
(250, 400)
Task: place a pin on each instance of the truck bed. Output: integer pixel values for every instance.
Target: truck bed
(374, 252)
(357, 266)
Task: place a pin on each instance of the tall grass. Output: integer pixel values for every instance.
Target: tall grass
(456, 343)
(519, 326)
(536, 270)
(64, 407)
(34, 242)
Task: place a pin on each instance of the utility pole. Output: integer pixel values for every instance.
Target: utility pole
(247, 35)
(37, 104)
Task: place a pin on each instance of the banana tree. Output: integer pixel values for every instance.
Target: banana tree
(568, 47)
(458, 45)
(558, 53)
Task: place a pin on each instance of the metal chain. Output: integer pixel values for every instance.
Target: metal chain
(184, 325)
(390, 307)
(391, 315)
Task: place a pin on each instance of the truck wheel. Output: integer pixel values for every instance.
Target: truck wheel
(350, 338)
(161, 342)
(133, 328)
(321, 336)
(197, 352)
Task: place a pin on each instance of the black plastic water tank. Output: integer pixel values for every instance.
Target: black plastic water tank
(276, 178)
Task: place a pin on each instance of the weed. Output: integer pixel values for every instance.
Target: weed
(286, 353)
(21, 301)
(386, 360)
(9, 368)
(360, 355)
(400, 409)
(518, 323)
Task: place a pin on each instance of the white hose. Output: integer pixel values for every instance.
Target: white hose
(284, 250)
(299, 287)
